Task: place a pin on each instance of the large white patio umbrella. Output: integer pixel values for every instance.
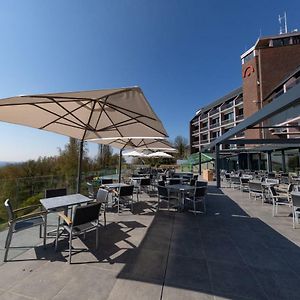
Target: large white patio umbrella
(136, 143)
(86, 115)
(134, 154)
(159, 154)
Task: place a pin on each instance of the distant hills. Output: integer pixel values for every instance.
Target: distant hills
(4, 163)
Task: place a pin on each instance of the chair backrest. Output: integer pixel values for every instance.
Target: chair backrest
(49, 193)
(255, 186)
(272, 191)
(200, 192)
(126, 190)
(9, 210)
(244, 180)
(145, 181)
(106, 181)
(192, 182)
(174, 181)
(235, 179)
(162, 191)
(271, 175)
(87, 213)
(295, 200)
(161, 183)
(102, 196)
(176, 176)
(290, 188)
(201, 183)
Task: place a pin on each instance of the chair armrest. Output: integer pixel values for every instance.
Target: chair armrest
(65, 218)
(114, 192)
(30, 215)
(27, 207)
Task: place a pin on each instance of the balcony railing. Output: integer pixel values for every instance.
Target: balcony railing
(239, 101)
(214, 125)
(204, 128)
(239, 117)
(214, 111)
(227, 105)
(204, 116)
(228, 121)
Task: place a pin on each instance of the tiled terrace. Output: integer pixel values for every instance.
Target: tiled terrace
(236, 251)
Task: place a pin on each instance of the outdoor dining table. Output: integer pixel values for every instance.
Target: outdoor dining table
(55, 203)
(63, 202)
(182, 189)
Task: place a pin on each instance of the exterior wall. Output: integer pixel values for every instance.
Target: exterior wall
(276, 63)
(251, 93)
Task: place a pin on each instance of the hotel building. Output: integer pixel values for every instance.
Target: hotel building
(269, 68)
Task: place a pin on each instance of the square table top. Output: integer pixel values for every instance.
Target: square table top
(114, 185)
(63, 201)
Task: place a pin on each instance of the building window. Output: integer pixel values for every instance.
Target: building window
(248, 57)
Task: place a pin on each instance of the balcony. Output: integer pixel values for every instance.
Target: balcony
(203, 116)
(228, 121)
(214, 125)
(227, 106)
(204, 128)
(214, 111)
(239, 117)
(239, 101)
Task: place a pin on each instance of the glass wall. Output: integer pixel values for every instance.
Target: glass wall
(292, 160)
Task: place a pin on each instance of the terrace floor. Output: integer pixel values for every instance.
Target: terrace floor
(236, 251)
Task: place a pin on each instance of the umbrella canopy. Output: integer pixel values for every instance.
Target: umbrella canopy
(134, 154)
(137, 143)
(159, 154)
(86, 115)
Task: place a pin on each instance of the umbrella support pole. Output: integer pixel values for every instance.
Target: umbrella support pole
(120, 165)
(79, 167)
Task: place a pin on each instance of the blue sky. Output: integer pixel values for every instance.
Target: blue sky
(182, 53)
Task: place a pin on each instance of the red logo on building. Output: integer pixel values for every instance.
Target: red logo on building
(248, 71)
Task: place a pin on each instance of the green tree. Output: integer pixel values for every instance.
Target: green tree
(182, 147)
(68, 158)
(104, 157)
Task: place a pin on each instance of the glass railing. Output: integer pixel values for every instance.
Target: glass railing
(27, 191)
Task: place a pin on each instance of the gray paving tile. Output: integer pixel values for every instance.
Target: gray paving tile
(234, 281)
(149, 266)
(46, 282)
(187, 273)
(282, 284)
(13, 296)
(173, 293)
(127, 289)
(15, 272)
(87, 283)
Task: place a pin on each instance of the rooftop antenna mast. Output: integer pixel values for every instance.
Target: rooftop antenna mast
(283, 24)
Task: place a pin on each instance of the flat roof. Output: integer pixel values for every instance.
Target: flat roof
(219, 101)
